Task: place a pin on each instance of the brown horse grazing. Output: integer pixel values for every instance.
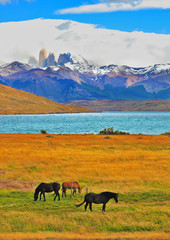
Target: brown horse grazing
(70, 185)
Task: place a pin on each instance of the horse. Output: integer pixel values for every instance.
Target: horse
(47, 187)
(70, 185)
(103, 197)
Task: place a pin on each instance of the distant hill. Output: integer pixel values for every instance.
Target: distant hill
(125, 105)
(14, 101)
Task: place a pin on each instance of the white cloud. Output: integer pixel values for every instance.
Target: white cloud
(4, 1)
(117, 5)
(19, 40)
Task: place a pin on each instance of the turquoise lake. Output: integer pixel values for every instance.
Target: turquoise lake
(132, 122)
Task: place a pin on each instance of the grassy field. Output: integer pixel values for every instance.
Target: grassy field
(135, 166)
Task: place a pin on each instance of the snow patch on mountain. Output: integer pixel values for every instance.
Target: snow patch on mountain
(78, 63)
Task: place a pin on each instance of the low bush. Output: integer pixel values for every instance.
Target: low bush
(166, 133)
(43, 131)
(110, 131)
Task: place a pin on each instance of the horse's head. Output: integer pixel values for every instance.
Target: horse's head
(116, 197)
(79, 190)
(36, 195)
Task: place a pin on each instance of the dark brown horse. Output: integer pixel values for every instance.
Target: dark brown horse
(101, 198)
(73, 185)
(47, 187)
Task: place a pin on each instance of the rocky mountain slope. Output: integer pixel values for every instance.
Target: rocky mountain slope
(73, 78)
(14, 101)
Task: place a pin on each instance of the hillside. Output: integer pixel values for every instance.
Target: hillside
(14, 101)
(125, 105)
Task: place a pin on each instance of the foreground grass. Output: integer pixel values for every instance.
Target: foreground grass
(136, 166)
(140, 212)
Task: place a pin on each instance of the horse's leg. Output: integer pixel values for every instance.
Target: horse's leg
(58, 196)
(90, 206)
(44, 196)
(104, 206)
(40, 196)
(55, 196)
(74, 191)
(65, 192)
(86, 206)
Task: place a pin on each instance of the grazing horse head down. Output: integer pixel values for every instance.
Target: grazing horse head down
(47, 187)
(101, 198)
(70, 185)
(36, 193)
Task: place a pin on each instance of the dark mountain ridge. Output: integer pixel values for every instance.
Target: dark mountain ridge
(78, 80)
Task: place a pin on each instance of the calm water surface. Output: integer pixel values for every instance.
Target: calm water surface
(133, 122)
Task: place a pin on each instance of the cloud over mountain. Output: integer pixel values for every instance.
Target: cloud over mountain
(20, 40)
(116, 5)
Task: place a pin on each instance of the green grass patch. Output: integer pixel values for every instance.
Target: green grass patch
(134, 212)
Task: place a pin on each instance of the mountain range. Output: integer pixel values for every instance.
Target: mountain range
(73, 78)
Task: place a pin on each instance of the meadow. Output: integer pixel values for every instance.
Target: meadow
(135, 166)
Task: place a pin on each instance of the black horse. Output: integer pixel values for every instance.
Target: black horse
(47, 187)
(103, 197)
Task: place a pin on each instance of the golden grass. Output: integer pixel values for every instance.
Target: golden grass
(85, 235)
(14, 101)
(91, 158)
(131, 165)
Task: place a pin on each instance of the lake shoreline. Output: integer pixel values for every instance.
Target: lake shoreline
(144, 122)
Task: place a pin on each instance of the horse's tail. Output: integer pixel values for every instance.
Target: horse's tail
(78, 205)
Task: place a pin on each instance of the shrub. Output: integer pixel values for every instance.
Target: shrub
(166, 133)
(107, 131)
(121, 133)
(110, 131)
(50, 136)
(43, 131)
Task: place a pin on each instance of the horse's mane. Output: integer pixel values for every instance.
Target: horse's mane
(37, 190)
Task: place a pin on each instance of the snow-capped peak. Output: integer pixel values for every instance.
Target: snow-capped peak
(78, 63)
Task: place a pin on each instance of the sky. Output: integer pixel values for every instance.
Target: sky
(141, 16)
(124, 15)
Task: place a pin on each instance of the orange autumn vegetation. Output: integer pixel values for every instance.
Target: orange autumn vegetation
(93, 160)
(136, 166)
(87, 236)
(14, 101)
